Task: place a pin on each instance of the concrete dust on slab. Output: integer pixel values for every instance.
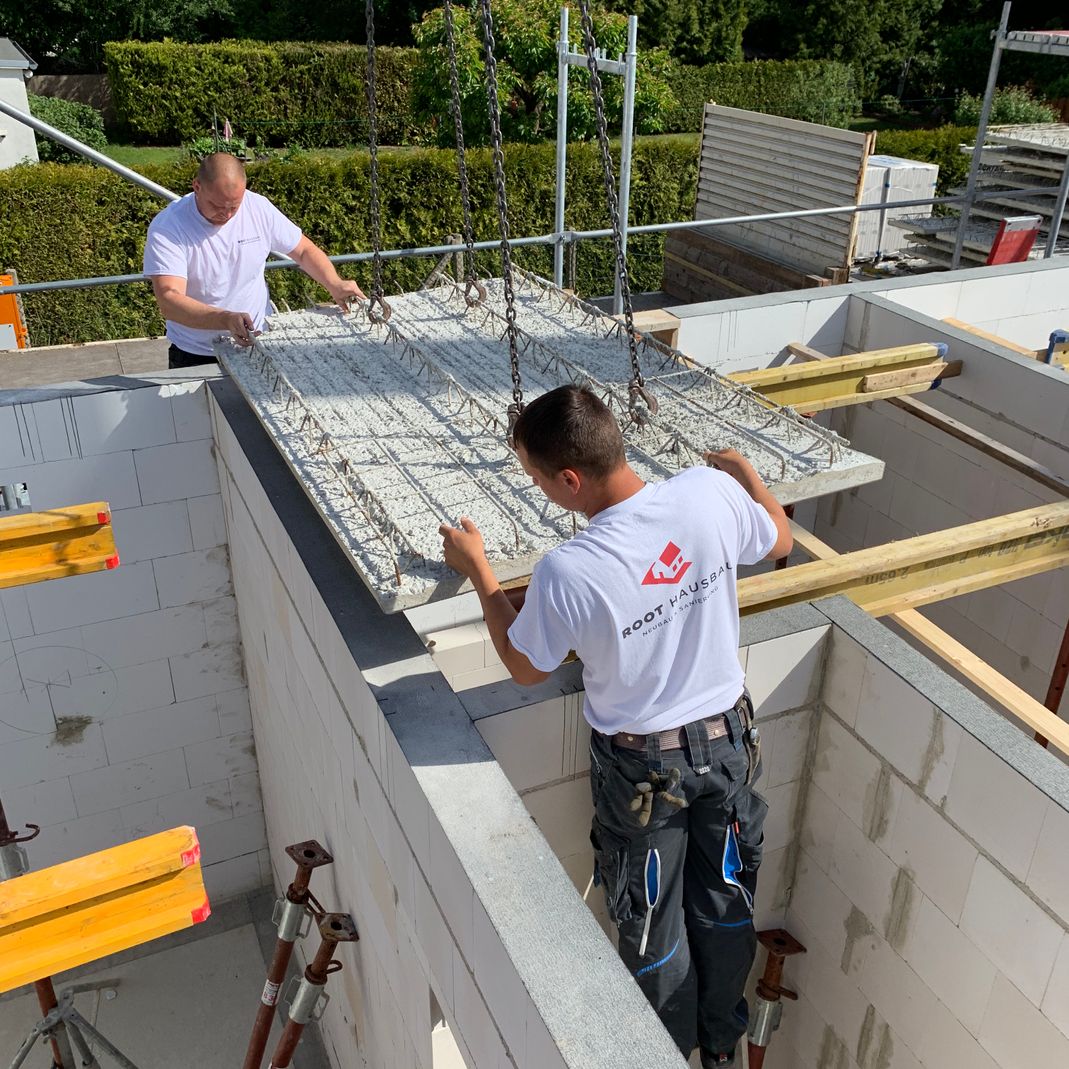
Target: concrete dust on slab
(393, 429)
(190, 1005)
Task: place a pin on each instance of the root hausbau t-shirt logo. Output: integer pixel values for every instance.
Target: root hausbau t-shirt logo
(669, 567)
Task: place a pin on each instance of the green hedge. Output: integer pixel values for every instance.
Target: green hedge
(314, 94)
(283, 93)
(79, 121)
(820, 91)
(78, 221)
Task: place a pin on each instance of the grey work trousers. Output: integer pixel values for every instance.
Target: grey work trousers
(701, 939)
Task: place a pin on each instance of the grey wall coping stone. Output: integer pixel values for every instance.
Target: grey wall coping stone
(1017, 748)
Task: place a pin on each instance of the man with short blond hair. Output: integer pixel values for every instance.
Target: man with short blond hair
(205, 255)
(645, 595)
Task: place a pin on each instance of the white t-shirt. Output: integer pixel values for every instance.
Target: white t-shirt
(223, 265)
(645, 595)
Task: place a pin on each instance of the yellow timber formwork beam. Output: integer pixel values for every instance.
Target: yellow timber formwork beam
(916, 571)
(1014, 699)
(35, 546)
(856, 379)
(85, 909)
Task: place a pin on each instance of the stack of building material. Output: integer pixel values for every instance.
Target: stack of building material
(1014, 158)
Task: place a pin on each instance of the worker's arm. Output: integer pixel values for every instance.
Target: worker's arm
(175, 305)
(741, 470)
(465, 553)
(314, 262)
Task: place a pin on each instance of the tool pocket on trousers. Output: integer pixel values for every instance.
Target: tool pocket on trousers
(744, 845)
(611, 871)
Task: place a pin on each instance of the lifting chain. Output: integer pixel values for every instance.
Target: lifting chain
(516, 407)
(383, 311)
(474, 290)
(636, 390)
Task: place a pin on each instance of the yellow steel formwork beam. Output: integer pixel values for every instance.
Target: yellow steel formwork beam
(1015, 700)
(82, 910)
(850, 380)
(916, 571)
(35, 546)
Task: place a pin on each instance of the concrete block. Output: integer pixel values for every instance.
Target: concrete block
(1055, 1005)
(899, 995)
(1017, 1035)
(149, 636)
(995, 805)
(245, 794)
(221, 758)
(122, 419)
(236, 876)
(782, 673)
(949, 963)
(452, 890)
(1048, 875)
(786, 761)
(864, 873)
(948, 1043)
(819, 904)
(108, 693)
(935, 854)
(152, 531)
(92, 598)
(174, 472)
(528, 743)
(16, 449)
(1011, 930)
(906, 729)
(199, 806)
(817, 831)
(435, 942)
(229, 838)
(497, 978)
(846, 771)
(780, 823)
(131, 781)
(64, 482)
(562, 813)
(479, 677)
(155, 730)
(54, 431)
(474, 1023)
(190, 577)
(42, 758)
(209, 671)
(43, 804)
(206, 521)
(189, 407)
(221, 620)
(844, 675)
(458, 649)
(87, 835)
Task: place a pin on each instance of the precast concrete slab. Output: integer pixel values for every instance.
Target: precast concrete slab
(394, 428)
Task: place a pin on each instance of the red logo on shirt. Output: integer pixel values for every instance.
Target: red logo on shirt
(669, 567)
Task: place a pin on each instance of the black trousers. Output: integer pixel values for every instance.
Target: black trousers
(177, 358)
(701, 940)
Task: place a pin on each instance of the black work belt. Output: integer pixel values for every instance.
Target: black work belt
(673, 738)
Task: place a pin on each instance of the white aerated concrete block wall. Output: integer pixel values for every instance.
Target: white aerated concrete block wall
(544, 749)
(124, 707)
(930, 892)
(933, 481)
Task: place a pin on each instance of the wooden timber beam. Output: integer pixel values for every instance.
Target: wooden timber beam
(926, 568)
(859, 378)
(1015, 700)
(35, 546)
(60, 917)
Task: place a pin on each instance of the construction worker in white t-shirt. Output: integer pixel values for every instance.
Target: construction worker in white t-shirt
(205, 255)
(645, 595)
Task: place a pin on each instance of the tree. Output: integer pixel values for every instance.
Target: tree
(69, 35)
(525, 34)
(693, 31)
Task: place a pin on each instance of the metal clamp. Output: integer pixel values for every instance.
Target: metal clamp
(292, 919)
(306, 1001)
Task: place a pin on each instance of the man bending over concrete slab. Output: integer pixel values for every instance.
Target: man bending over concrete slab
(205, 255)
(645, 595)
